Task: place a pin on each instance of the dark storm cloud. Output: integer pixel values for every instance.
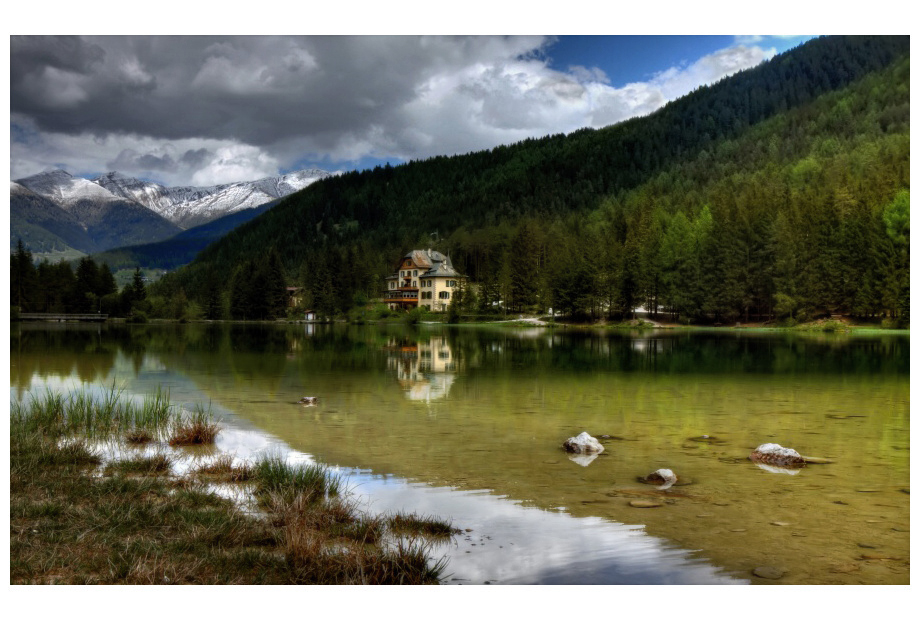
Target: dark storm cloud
(196, 158)
(210, 109)
(33, 54)
(132, 160)
(257, 90)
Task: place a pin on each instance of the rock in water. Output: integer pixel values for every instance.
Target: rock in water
(645, 503)
(661, 476)
(778, 456)
(583, 444)
(768, 572)
(665, 478)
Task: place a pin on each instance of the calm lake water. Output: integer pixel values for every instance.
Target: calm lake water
(467, 423)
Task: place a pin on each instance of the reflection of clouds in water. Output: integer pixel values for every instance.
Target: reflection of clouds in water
(511, 543)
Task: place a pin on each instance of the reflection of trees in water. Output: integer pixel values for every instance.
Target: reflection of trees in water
(262, 353)
(59, 350)
(682, 352)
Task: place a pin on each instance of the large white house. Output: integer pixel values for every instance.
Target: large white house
(423, 278)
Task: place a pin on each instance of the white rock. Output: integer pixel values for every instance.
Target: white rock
(776, 455)
(667, 475)
(583, 444)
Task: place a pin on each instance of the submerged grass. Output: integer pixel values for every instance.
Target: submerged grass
(136, 525)
(433, 527)
(197, 428)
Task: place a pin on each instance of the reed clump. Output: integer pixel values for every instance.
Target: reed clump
(433, 527)
(198, 428)
(138, 436)
(98, 415)
(279, 481)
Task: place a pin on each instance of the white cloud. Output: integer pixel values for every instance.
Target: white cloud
(236, 162)
(202, 109)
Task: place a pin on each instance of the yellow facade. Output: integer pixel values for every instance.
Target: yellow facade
(423, 278)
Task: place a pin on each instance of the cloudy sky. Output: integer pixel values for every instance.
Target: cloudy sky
(201, 110)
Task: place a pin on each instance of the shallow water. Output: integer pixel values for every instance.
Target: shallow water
(467, 423)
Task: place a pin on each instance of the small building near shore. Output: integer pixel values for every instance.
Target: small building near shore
(294, 296)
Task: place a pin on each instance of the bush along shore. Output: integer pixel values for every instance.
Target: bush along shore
(80, 516)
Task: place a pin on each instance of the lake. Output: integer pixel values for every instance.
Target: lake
(467, 423)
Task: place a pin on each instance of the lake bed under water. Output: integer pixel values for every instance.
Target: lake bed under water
(467, 423)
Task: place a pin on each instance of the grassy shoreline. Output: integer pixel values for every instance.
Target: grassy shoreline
(78, 516)
(535, 321)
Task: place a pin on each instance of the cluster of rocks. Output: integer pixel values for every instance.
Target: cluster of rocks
(770, 456)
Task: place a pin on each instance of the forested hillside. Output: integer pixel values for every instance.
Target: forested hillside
(782, 191)
(180, 249)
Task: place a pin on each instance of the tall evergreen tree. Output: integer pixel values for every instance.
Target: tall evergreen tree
(23, 279)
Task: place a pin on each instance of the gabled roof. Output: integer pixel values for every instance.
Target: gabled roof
(435, 263)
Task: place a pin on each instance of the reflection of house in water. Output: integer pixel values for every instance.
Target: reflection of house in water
(426, 369)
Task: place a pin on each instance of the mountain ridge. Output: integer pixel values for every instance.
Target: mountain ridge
(122, 203)
(189, 206)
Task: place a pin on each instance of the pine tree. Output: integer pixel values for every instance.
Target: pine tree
(23, 279)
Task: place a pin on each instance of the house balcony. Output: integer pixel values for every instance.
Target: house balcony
(404, 296)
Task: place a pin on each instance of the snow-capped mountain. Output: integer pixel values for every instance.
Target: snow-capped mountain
(191, 206)
(116, 210)
(66, 190)
(108, 220)
(42, 225)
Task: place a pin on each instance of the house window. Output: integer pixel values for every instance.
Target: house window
(415, 274)
(444, 295)
(392, 285)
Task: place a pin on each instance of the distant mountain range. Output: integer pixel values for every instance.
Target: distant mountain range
(190, 206)
(180, 249)
(55, 211)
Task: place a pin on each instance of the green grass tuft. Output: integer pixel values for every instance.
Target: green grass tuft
(433, 527)
(273, 475)
(155, 465)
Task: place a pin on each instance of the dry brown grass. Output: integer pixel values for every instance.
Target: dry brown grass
(138, 436)
(222, 469)
(194, 433)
